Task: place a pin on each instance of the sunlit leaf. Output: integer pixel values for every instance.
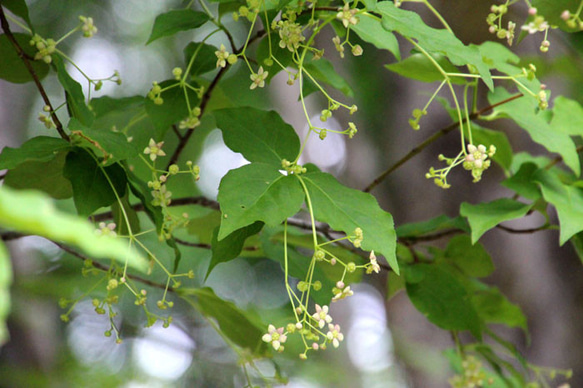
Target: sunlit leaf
(74, 94)
(370, 30)
(171, 22)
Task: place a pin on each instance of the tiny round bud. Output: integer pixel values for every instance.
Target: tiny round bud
(532, 11)
(303, 356)
(299, 325)
(47, 108)
(351, 267)
(173, 169)
(333, 261)
(565, 15)
(340, 284)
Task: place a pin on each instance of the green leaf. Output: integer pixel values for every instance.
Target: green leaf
(13, 68)
(174, 107)
(19, 8)
(345, 209)
(5, 282)
(567, 116)
(44, 176)
(370, 30)
(439, 296)
(472, 259)
(504, 154)
(395, 283)
(233, 322)
(74, 94)
(120, 220)
(32, 212)
(203, 227)
(322, 70)
(231, 246)
(171, 22)
(577, 242)
(522, 182)
(103, 106)
(205, 60)
(493, 307)
(568, 200)
(552, 10)
(522, 111)
(94, 186)
(261, 136)
(485, 216)
(420, 68)
(257, 192)
(499, 57)
(433, 225)
(110, 146)
(410, 24)
(37, 149)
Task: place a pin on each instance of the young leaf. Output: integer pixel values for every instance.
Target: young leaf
(410, 24)
(13, 68)
(441, 298)
(110, 146)
(94, 186)
(370, 30)
(231, 246)
(233, 322)
(522, 111)
(346, 209)
(44, 176)
(31, 212)
(5, 282)
(257, 192)
(171, 22)
(420, 68)
(37, 149)
(522, 182)
(261, 136)
(484, 216)
(568, 200)
(74, 94)
(174, 107)
(470, 258)
(205, 60)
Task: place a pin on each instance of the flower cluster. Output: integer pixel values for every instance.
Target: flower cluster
(276, 337)
(154, 150)
(373, 266)
(293, 168)
(341, 291)
(476, 160)
(192, 121)
(155, 94)
(417, 114)
(223, 56)
(358, 237)
(87, 26)
(472, 376)
(494, 20)
(45, 48)
(290, 34)
(573, 20)
(347, 15)
(106, 229)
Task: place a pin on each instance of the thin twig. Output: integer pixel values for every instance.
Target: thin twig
(415, 151)
(24, 57)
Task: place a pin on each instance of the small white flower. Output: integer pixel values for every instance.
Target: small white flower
(154, 149)
(275, 337)
(342, 293)
(321, 316)
(88, 27)
(346, 15)
(259, 78)
(334, 335)
(374, 265)
(106, 230)
(222, 55)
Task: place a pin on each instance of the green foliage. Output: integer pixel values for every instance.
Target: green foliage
(13, 68)
(171, 22)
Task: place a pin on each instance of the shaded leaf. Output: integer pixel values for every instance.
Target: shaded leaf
(119, 217)
(231, 246)
(484, 216)
(567, 116)
(522, 182)
(322, 70)
(439, 223)
(493, 307)
(345, 209)
(94, 186)
(472, 259)
(420, 68)
(13, 68)
(439, 296)
(261, 136)
(44, 176)
(31, 212)
(233, 322)
(257, 192)
(205, 60)
(171, 22)
(37, 149)
(19, 8)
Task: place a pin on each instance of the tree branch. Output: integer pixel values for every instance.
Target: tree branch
(444, 131)
(24, 57)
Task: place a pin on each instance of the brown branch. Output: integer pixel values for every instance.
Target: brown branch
(205, 100)
(24, 57)
(444, 131)
(522, 231)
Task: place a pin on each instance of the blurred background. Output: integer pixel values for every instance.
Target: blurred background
(387, 343)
